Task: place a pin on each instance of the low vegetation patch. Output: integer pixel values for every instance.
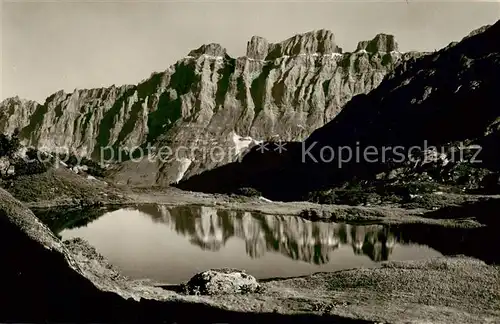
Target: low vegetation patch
(59, 186)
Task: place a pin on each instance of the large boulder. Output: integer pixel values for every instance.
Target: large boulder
(222, 281)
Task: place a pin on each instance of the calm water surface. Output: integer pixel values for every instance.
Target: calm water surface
(171, 244)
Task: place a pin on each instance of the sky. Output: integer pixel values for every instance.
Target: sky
(51, 45)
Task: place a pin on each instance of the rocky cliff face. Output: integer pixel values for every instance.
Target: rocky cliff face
(208, 107)
(16, 113)
(381, 43)
(442, 106)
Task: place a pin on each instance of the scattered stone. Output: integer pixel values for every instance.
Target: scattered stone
(248, 192)
(319, 42)
(11, 170)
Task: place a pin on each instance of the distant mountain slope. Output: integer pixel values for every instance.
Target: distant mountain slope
(442, 99)
(284, 90)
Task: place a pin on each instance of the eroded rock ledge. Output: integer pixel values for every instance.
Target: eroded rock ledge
(43, 279)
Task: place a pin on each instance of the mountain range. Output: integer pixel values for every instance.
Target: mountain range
(276, 91)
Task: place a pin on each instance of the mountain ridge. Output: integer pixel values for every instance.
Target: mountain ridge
(206, 96)
(206, 47)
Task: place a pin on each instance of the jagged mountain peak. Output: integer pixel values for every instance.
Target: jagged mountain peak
(322, 33)
(211, 49)
(380, 43)
(10, 100)
(316, 33)
(15, 100)
(320, 41)
(257, 48)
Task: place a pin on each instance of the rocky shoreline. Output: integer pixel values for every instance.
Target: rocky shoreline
(311, 211)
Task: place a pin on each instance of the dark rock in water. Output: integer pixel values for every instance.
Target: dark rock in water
(222, 281)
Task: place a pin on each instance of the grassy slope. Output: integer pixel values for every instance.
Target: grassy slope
(60, 187)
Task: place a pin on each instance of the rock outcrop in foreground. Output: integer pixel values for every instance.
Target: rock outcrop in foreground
(43, 279)
(222, 281)
(208, 99)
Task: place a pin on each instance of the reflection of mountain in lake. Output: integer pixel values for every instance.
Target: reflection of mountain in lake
(300, 239)
(294, 237)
